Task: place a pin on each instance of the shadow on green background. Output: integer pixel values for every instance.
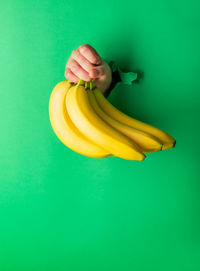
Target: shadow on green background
(62, 211)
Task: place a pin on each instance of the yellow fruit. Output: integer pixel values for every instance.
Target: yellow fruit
(64, 128)
(95, 129)
(144, 140)
(167, 140)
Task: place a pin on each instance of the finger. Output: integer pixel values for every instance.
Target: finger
(71, 76)
(78, 70)
(90, 54)
(97, 72)
(81, 60)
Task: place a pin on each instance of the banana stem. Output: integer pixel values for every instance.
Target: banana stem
(88, 85)
(81, 82)
(91, 85)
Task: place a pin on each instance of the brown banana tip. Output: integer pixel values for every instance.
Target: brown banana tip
(144, 157)
(168, 145)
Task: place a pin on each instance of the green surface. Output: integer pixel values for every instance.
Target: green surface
(62, 211)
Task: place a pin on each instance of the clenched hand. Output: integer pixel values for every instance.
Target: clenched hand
(85, 63)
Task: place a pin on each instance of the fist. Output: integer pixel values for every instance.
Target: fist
(85, 63)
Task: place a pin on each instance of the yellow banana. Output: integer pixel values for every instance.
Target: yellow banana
(64, 128)
(144, 140)
(93, 127)
(167, 140)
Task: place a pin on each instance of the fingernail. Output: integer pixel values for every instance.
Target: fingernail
(99, 62)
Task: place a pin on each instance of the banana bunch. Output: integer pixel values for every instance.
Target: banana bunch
(85, 121)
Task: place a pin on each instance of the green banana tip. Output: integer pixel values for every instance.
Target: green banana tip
(88, 85)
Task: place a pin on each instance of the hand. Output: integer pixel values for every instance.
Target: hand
(85, 63)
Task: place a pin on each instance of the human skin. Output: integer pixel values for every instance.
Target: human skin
(86, 63)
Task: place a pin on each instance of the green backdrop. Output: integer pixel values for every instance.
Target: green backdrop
(63, 211)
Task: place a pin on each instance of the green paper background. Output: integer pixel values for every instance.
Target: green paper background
(63, 211)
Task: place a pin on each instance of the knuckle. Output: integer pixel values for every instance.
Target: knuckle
(80, 58)
(70, 77)
(67, 74)
(68, 65)
(83, 61)
(75, 68)
(85, 45)
(66, 71)
(84, 48)
(73, 53)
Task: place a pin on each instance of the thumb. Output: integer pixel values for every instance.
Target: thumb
(97, 72)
